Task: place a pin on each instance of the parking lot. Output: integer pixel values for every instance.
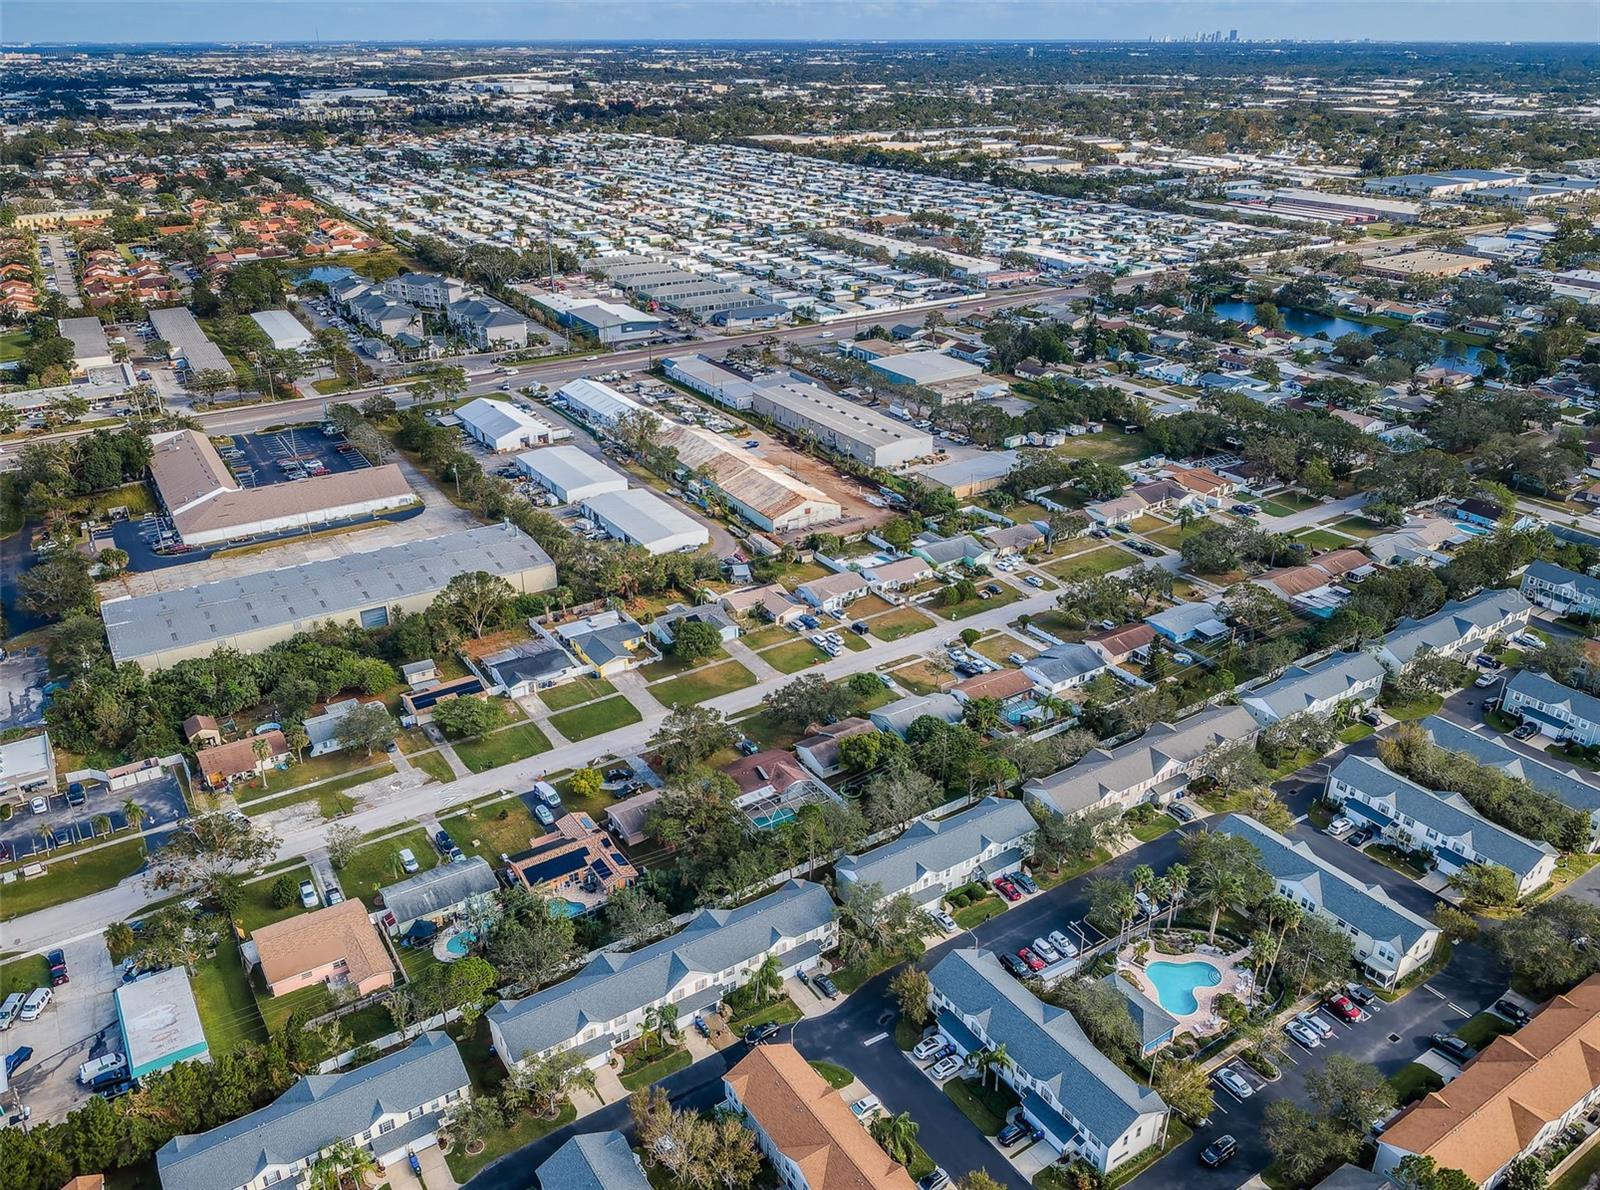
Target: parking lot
(23, 674)
(79, 1023)
(28, 833)
(297, 453)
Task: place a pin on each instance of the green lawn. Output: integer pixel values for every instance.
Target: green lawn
(979, 912)
(503, 827)
(782, 1011)
(571, 694)
(1413, 1081)
(1580, 1172)
(1155, 828)
(1359, 526)
(13, 345)
(378, 863)
(834, 1075)
(526, 1129)
(257, 909)
(1420, 709)
(671, 665)
(971, 607)
(66, 879)
(794, 656)
(902, 622)
(23, 975)
(655, 1071)
(596, 718)
(435, 765)
(1097, 562)
(702, 684)
(503, 747)
(760, 728)
(1483, 1028)
(1355, 732)
(987, 1107)
(1321, 539)
(999, 647)
(771, 634)
(228, 1011)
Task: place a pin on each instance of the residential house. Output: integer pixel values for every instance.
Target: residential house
(1457, 628)
(575, 861)
(1003, 684)
(1310, 587)
(1120, 510)
(605, 1003)
(772, 786)
(819, 751)
(1183, 622)
(1477, 511)
(1390, 941)
(1560, 712)
(899, 574)
(1516, 1097)
(769, 602)
(611, 642)
(899, 715)
(1155, 767)
(593, 1161)
(323, 730)
(487, 324)
(1121, 645)
(961, 550)
(1205, 483)
(832, 592)
(1014, 539)
(417, 706)
(1563, 591)
(664, 627)
(1340, 679)
(202, 731)
(937, 855)
(337, 946)
(1085, 1104)
(803, 1127)
(439, 895)
(387, 1108)
(1154, 1024)
(1443, 824)
(1427, 541)
(1065, 667)
(241, 760)
(527, 666)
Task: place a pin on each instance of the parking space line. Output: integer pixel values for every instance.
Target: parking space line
(1433, 991)
(874, 1039)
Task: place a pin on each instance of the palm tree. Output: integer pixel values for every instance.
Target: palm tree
(1215, 890)
(766, 980)
(298, 740)
(261, 750)
(1291, 916)
(994, 1058)
(133, 812)
(102, 824)
(1177, 879)
(343, 1164)
(1186, 517)
(897, 1135)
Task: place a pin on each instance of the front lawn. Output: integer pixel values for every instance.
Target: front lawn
(1322, 539)
(901, 622)
(574, 693)
(1412, 1082)
(66, 879)
(770, 634)
(834, 1075)
(987, 1107)
(703, 684)
(526, 1129)
(1157, 826)
(23, 975)
(257, 909)
(782, 1011)
(975, 914)
(1483, 1028)
(503, 747)
(971, 607)
(435, 765)
(378, 863)
(671, 665)
(1359, 526)
(653, 1071)
(1400, 861)
(1355, 732)
(505, 827)
(920, 677)
(794, 656)
(1091, 565)
(1419, 709)
(596, 718)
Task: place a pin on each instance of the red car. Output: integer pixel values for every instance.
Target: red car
(1007, 890)
(1035, 963)
(1342, 1008)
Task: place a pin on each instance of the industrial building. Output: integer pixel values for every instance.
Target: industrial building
(598, 404)
(694, 294)
(190, 347)
(924, 367)
(254, 611)
(500, 426)
(207, 505)
(283, 329)
(709, 378)
(765, 496)
(159, 1022)
(88, 339)
(610, 323)
(839, 424)
(570, 474)
(646, 519)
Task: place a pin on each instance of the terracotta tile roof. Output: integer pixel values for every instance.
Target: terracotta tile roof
(1001, 683)
(808, 1121)
(1199, 479)
(312, 940)
(1504, 1096)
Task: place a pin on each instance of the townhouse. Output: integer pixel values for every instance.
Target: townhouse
(1155, 767)
(1442, 824)
(1389, 940)
(1083, 1101)
(1457, 628)
(605, 1003)
(1560, 712)
(937, 855)
(593, 1161)
(1563, 591)
(1342, 679)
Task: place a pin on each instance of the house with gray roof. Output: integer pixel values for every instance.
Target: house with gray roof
(1183, 622)
(387, 1107)
(1083, 1101)
(1064, 667)
(1567, 785)
(527, 666)
(1458, 627)
(1560, 712)
(439, 894)
(665, 626)
(1320, 689)
(1561, 590)
(1154, 1024)
(1390, 941)
(963, 549)
(605, 1003)
(593, 1161)
(899, 715)
(1155, 767)
(937, 855)
(1443, 824)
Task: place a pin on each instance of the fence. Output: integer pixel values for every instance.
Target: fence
(387, 1042)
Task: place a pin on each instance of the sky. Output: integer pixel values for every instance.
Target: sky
(160, 21)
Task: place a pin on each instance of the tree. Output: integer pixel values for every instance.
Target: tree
(1316, 954)
(1484, 886)
(1111, 904)
(1456, 925)
(474, 601)
(209, 846)
(284, 892)
(342, 842)
(911, 989)
(979, 1179)
(1416, 1172)
(871, 925)
(1102, 1014)
(469, 718)
(78, 642)
(897, 1135)
(1352, 1093)
(1150, 582)
(1525, 1173)
(689, 734)
(1186, 1088)
(731, 1157)
(369, 726)
(1231, 767)
(58, 585)
(1304, 1146)
(119, 940)
(1226, 872)
(586, 783)
(810, 698)
(343, 1164)
(694, 639)
(635, 917)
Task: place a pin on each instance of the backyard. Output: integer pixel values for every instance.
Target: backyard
(226, 1004)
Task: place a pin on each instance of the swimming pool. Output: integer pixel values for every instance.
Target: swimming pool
(460, 942)
(1175, 984)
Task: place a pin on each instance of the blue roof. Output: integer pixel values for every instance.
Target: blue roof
(1559, 576)
(593, 1161)
(1549, 691)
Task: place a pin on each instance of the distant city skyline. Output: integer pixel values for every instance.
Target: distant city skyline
(191, 21)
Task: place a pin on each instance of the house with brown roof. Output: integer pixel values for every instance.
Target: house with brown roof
(773, 785)
(338, 946)
(1515, 1097)
(1205, 483)
(1004, 684)
(1121, 644)
(202, 731)
(804, 1127)
(240, 760)
(576, 861)
(626, 819)
(819, 751)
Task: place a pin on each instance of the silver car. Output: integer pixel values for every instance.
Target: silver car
(1303, 1033)
(1235, 1083)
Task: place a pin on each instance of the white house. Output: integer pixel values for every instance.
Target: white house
(1320, 689)
(1560, 712)
(1457, 628)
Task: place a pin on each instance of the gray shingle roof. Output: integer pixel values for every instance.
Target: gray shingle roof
(615, 984)
(1448, 813)
(1553, 693)
(1046, 1042)
(1564, 785)
(931, 846)
(1366, 906)
(593, 1161)
(314, 1113)
(1445, 628)
(438, 889)
(1152, 1021)
(1559, 576)
(1186, 617)
(899, 715)
(1301, 688)
(1062, 663)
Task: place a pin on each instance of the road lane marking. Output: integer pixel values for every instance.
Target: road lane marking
(875, 1038)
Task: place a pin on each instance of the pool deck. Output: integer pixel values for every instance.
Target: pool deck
(1204, 1019)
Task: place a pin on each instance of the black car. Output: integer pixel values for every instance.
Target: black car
(756, 1034)
(1015, 965)
(75, 794)
(1361, 837)
(1452, 1047)
(1371, 719)
(1025, 882)
(1010, 1134)
(859, 627)
(1514, 1013)
(826, 986)
(443, 841)
(114, 1089)
(1360, 993)
(58, 968)
(17, 1057)
(1219, 1151)
(618, 774)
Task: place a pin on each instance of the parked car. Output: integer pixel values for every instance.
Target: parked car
(1006, 889)
(826, 986)
(1372, 719)
(1452, 1047)
(1340, 827)
(75, 794)
(927, 1047)
(945, 1067)
(1014, 965)
(1235, 1083)
(1181, 812)
(1303, 1033)
(1526, 732)
(1012, 1133)
(58, 968)
(1514, 1013)
(39, 805)
(1033, 580)
(335, 895)
(618, 774)
(17, 1057)
(866, 1107)
(408, 860)
(1065, 945)
(1033, 961)
(1312, 1021)
(1342, 1007)
(943, 920)
(1046, 951)
(1219, 1151)
(1484, 681)
(756, 1034)
(1360, 993)
(96, 1067)
(308, 894)
(1362, 837)
(1025, 882)
(443, 841)
(543, 814)
(937, 1180)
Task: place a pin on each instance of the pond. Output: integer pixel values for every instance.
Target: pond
(326, 273)
(1460, 356)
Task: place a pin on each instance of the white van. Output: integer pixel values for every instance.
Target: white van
(104, 1064)
(9, 1010)
(33, 1007)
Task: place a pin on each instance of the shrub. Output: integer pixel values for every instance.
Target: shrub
(285, 892)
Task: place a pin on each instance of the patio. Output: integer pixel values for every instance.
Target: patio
(1233, 979)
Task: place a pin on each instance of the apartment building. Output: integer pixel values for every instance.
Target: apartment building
(1560, 712)
(1353, 679)
(1563, 591)
(1457, 628)
(937, 855)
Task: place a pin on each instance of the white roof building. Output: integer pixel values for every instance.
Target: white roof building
(500, 425)
(646, 519)
(88, 338)
(597, 403)
(570, 473)
(283, 329)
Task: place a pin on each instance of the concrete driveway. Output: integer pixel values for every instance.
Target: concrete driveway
(81, 1023)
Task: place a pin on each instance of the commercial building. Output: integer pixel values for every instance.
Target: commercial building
(593, 1161)
(337, 946)
(605, 1003)
(283, 329)
(159, 1022)
(26, 764)
(190, 347)
(572, 475)
(694, 294)
(387, 1108)
(1343, 678)
(709, 378)
(647, 520)
(1458, 627)
(258, 609)
(1085, 1104)
(609, 323)
(937, 855)
(1443, 824)
(1390, 941)
(1154, 767)
(841, 425)
(765, 496)
(89, 346)
(1424, 262)
(925, 367)
(1560, 712)
(598, 404)
(803, 1126)
(500, 425)
(1561, 590)
(207, 505)
(1522, 1092)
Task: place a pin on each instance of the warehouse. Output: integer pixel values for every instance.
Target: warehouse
(925, 367)
(765, 496)
(863, 434)
(283, 329)
(605, 322)
(646, 519)
(160, 1023)
(207, 506)
(187, 343)
(500, 426)
(570, 474)
(254, 611)
(1424, 262)
(88, 339)
(598, 404)
(706, 376)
